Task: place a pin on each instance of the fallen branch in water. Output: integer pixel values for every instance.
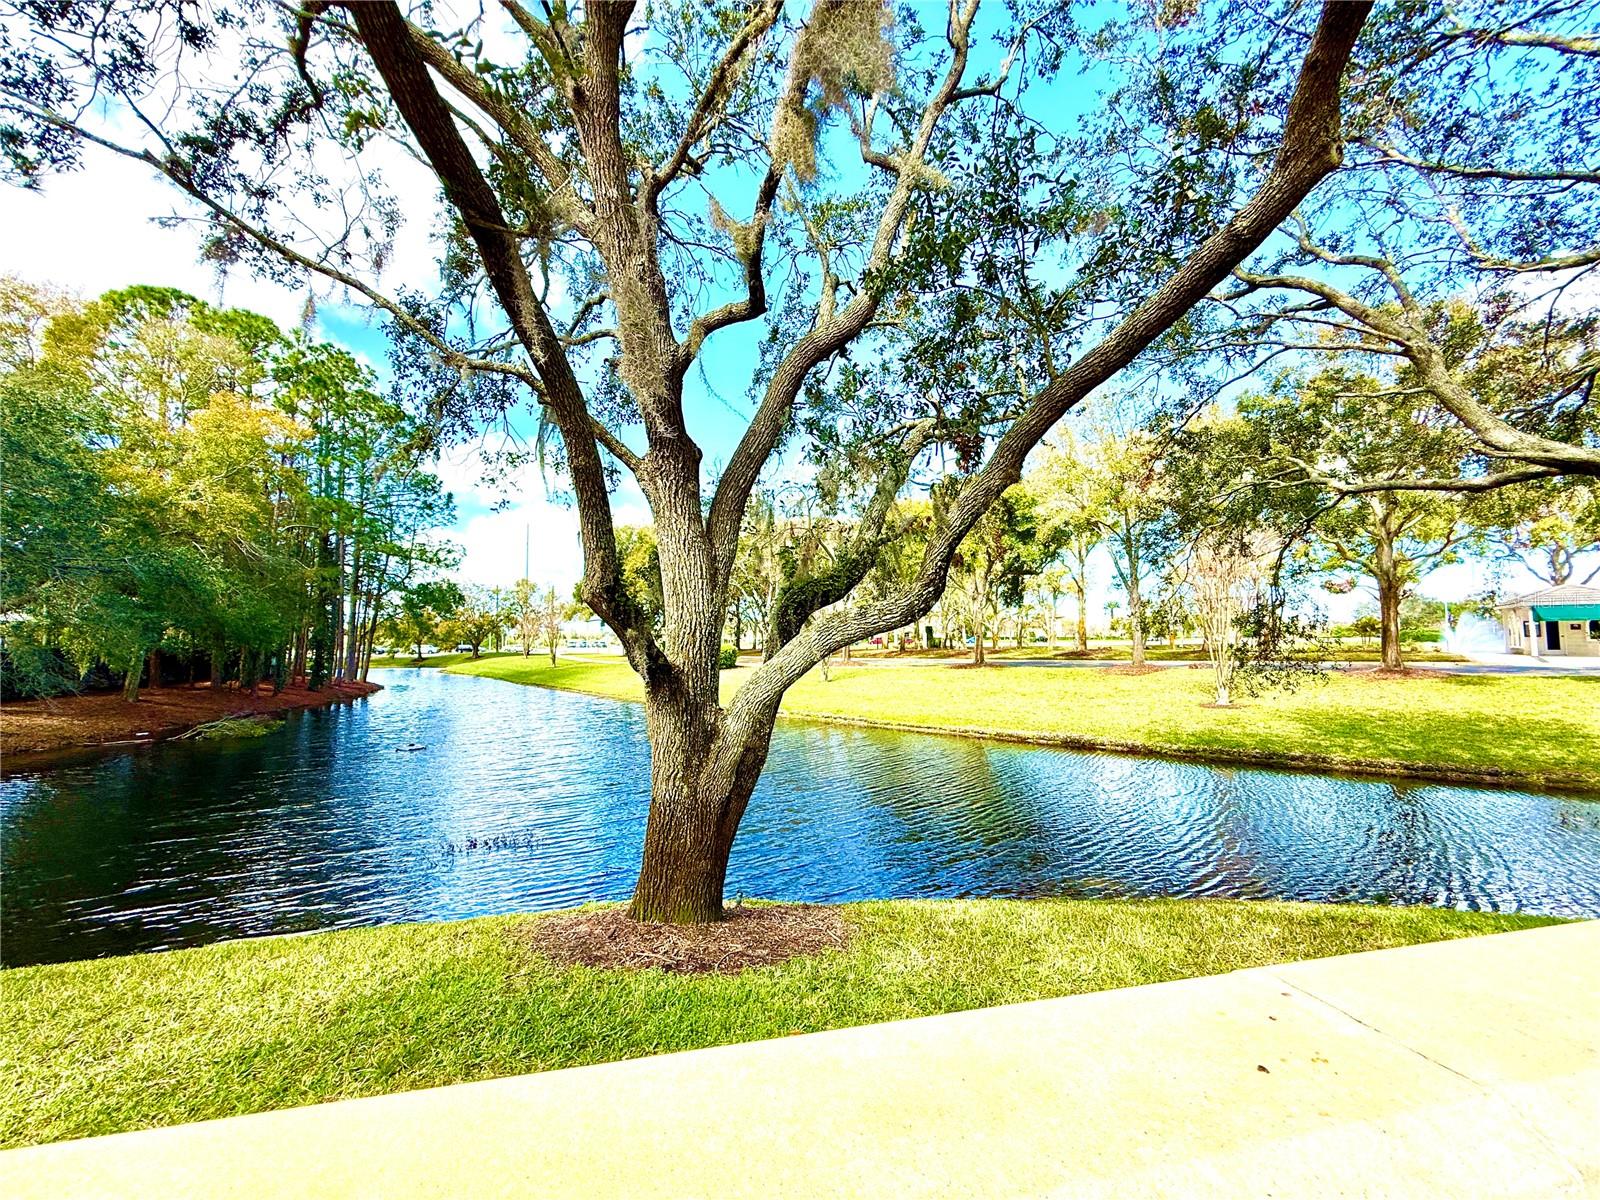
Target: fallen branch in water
(232, 727)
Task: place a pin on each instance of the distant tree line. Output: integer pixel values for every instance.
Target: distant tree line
(1224, 512)
(444, 615)
(190, 493)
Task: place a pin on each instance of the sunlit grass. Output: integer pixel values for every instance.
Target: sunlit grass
(157, 1039)
(435, 660)
(1183, 652)
(1533, 729)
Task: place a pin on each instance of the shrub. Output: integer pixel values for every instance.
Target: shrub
(727, 657)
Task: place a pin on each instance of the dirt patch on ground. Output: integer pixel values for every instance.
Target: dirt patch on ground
(1130, 669)
(64, 722)
(757, 936)
(1380, 674)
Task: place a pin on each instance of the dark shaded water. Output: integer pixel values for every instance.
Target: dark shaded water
(528, 799)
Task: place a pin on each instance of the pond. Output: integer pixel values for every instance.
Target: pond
(524, 799)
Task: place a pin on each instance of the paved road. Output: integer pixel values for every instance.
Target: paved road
(1463, 1069)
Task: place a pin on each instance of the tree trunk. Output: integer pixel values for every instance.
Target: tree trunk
(1560, 565)
(701, 778)
(685, 864)
(130, 685)
(352, 638)
(1136, 618)
(154, 682)
(1081, 594)
(1389, 589)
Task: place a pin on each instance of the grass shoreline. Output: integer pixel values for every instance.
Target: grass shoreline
(1221, 756)
(115, 1044)
(1196, 735)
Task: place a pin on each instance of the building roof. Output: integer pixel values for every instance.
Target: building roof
(1567, 593)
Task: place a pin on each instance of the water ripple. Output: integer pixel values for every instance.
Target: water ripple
(524, 799)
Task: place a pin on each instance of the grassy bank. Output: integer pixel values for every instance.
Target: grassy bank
(438, 660)
(157, 1039)
(1421, 653)
(1517, 728)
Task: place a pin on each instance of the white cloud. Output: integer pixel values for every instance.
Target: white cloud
(92, 231)
(536, 528)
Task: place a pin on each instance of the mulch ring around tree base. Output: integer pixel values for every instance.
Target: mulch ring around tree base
(1379, 674)
(756, 936)
(1130, 669)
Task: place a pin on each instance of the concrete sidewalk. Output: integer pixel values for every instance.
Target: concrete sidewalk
(1460, 1069)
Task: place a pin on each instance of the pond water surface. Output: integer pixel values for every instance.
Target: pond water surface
(526, 799)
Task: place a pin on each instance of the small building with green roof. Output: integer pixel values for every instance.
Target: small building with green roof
(1557, 620)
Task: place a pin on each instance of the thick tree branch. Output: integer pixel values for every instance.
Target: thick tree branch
(829, 336)
(714, 96)
(754, 302)
(1583, 44)
(1311, 149)
(387, 38)
(563, 197)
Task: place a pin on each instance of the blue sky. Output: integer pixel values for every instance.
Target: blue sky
(80, 242)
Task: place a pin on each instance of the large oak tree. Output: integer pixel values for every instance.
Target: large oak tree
(891, 206)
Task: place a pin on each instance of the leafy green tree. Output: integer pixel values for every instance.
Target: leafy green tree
(474, 622)
(1546, 528)
(1287, 447)
(639, 560)
(423, 610)
(994, 564)
(1132, 506)
(191, 484)
(1071, 502)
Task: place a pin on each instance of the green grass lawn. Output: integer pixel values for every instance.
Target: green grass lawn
(436, 660)
(1532, 729)
(156, 1039)
(1425, 652)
